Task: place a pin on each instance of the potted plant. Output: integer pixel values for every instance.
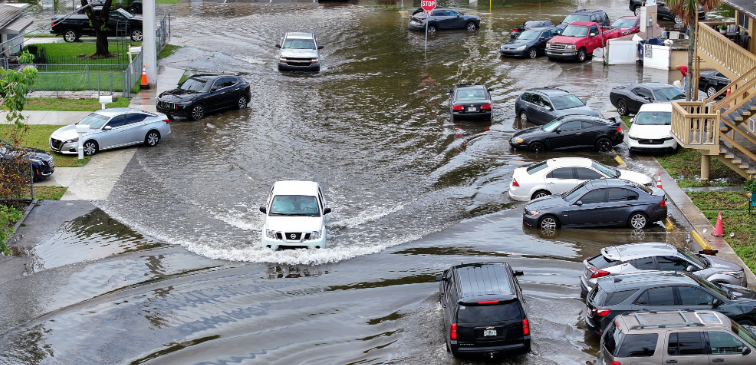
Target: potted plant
(722, 28)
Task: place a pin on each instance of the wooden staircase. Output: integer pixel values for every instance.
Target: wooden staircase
(730, 152)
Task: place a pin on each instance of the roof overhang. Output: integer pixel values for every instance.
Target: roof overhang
(17, 26)
(747, 7)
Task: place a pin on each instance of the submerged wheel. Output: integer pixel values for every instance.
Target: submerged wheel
(431, 29)
(471, 26)
(548, 223)
(622, 107)
(637, 220)
(536, 147)
(582, 55)
(523, 116)
(198, 112)
(242, 103)
(533, 52)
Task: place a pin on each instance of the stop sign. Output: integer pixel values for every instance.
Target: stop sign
(428, 5)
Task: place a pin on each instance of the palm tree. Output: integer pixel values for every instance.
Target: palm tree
(687, 10)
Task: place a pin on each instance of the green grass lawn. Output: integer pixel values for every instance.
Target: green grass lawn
(46, 192)
(80, 50)
(685, 167)
(168, 50)
(85, 105)
(38, 136)
(735, 219)
(626, 120)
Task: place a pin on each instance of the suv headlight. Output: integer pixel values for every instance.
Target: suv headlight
(570, 46)
(271, 234)
(520, 48)
(548, 44)
(314, 60)
(735, 274)
(315, 235)
(282, 59)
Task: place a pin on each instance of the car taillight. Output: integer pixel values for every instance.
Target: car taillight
(619, 129)
(489, 302)
(515, 30)
(453, 331)
(598, 273)
(663, 203)
(167, 120)
(601, 312)
(458, 108)
(52, 24)
(485, 107)
(525, 327)
(514, 183)
(615, 363)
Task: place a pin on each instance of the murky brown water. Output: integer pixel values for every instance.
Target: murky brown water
(181, 280)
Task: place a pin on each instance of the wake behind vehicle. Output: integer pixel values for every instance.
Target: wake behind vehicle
(200, 94)
(530, 43)
(295, 216)
(570, 131)
(470, 101)
(299, 52)
(483, 309)
(443, 19)
(41, 161)
(112, 128)
(120, 23)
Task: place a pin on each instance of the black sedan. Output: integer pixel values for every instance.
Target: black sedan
(629, 98)
(663, 11)
(41, 161)
(200, 94)
(610, 202)
(712, 81)
(470, 101)
(570, 131)
(530, 42)
(443, 19)
(528, 25)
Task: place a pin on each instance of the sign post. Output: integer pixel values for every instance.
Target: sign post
(428, 6)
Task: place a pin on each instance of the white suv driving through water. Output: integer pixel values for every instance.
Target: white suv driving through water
(295, 216)
(299, 52)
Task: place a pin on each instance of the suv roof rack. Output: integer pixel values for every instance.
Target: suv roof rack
(686, 322)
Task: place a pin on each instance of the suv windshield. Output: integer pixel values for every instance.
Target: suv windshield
(574, 18)
(192, 84)
(299, 44)
(670, 93)
(94, 120)
(529, 35)
(566, 102)
(579, 31)
(489, 313)
(295, 205)
(654, 118)
(606, 170)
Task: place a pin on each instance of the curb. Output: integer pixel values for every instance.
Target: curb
(23, 218)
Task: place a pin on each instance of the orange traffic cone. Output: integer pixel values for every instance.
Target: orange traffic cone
(144, 84)
(718, 230)
(658, 182)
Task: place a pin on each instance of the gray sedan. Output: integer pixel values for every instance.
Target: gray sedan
(542, 105)
(112, 128)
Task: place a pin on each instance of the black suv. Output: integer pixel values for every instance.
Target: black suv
(41, 161)
(200, 94)
(483, 310)
(664, 291)
(598, 16)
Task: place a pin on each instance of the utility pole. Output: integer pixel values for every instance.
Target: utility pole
(149, 46)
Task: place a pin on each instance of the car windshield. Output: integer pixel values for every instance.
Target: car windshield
(744, 333)
(575, 194)
(654, 118)
(566, 102)
(694, 258)
(550, 126)
(575, 18)
(669, 93)
(534, 23)
(299, 44)
(295, 205)
(529, 35)
(579, 31)
(606, 170)
(94, 121)
(192, 84)
(624, 23)
(532, 169)
(125, 13)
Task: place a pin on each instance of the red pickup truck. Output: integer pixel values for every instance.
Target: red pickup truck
(576, 42)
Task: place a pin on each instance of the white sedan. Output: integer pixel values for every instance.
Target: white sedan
(559, 175)
(651, 128)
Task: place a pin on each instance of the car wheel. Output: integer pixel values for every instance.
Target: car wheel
(536, 147)
(70, 35)
(622, 107)
(710, 91)
(533, 53)
(523, 117)
(548, 223)
(136, 35)
(746, 322)
(152, 138)
(637, 11)
(198, 112)
(581, 56)
(90, 148)
(471, 26)
(540, 194)
(603, 145)
(637, 220)
(678, 19)
(242, 103)
(431, 29)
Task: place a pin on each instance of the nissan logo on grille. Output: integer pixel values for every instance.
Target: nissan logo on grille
(293, 236)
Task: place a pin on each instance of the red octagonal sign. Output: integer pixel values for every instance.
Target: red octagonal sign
(428, 5)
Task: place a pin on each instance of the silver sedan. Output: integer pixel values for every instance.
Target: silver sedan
(112, 128)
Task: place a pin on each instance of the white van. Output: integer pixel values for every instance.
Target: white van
(295, 216)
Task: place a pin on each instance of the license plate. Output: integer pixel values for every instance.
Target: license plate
(489, 333)
(472, 109)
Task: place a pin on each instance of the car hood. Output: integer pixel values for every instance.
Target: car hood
(33, 153)
(636, 177)
(547, 202)
(581, 110)
(67, 132)
(527, 132)
(740, 293)
(294, 223)
(299, 53)
(650, 131)
(566, 40)
(178, 95)
(720, 264)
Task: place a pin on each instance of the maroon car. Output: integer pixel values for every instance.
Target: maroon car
(622, 27)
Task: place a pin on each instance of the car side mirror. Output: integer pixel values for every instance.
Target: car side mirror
(448, 91)
(326, 211)
(592, 35)
(490, 89)
(262, 209)
(278, 45)
(440, 277)
(690, 268)
(320, 47)
(578, 203)
(557, 131)
(746, 350)
(518, 273)
(107, 128)
(716, 303)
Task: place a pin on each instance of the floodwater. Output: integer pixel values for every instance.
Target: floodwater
(169, 270)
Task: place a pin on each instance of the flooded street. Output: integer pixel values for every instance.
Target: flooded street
(169, 268)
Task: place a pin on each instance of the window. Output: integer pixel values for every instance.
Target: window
(532, 169)
(594, 197)
(594, 30)
(451, 13)
(561, 173)
(724, 343)
(670, 93)
(646, 263)
(612, 337)
(488, 313)
(438, 13)
(685, 343)
(116, 122)
(135, 118)
(571, 126)
(643, 92)
(525, 97)
(544, 101)
(616, 195)
(224, 82)
(620, 297)
(743, 20)
(631, 195)
(606, 170)
(575, 193)
(297, 205)
(657, 296)
(694, 296)
(546, 34)
(568, 101)
(653, 118)
(587, 125)
(672, 263)
(587, 174)
(642, 345)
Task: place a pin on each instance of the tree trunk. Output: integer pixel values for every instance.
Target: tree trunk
(102, 44)
(99, 23)
(691, 52)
